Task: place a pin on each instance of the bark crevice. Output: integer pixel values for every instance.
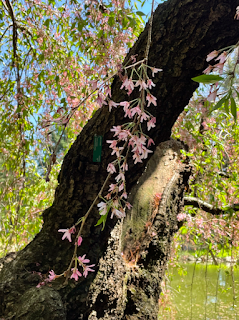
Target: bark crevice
(127, 285)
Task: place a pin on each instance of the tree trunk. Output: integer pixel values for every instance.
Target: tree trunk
(127, 285)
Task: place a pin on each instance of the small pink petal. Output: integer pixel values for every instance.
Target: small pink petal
(79, 241)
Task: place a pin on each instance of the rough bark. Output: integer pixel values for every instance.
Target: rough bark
(128, 282)
(184, 32)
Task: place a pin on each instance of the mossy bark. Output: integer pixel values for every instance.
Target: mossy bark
(184, 32)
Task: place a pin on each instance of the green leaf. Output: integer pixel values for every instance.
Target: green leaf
(140, 13)
(111, 21)
(41, 57)
(219, 103)
(233, 108)
(102, 220)
(207, 78)
(226, 106)
(184, 230)
(124, 22)
(237, 94)
(47, 22)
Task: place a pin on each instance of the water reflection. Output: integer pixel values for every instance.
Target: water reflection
(211, 299)
(221, 278)
(204, 293)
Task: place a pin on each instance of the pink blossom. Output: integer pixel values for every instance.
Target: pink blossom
(137, 157)
(108, 196)
(108, 91)
(116, 203)
(124, 195)
(40, 284)
(155, 70)
(181, 216)
(133, 58)
(116, 129)
(111, 168)
(52, 275)
(87, 269)
(121, 187)
(113, 143)
(123, 135)
(138, 145)
(212, 55)
(145, 153)
(218, 67)
(82, 259)
(112, 104)
(117, 151)
(150, 84)
(118, 213)
(75, 274)
(102, 208)
(151, 123)
(222, 58)
(128, 84)
(79, 241)
(94, 84)
(125, 82)
(140, 141)
(128, 113)
(128, 205)
(124, 166)
(151, 99)
(143, 117)
(101, 100)
(135, 110)
(112, 187)
(208, 69)
(67, 233)
(141, 84)
(151, 141)
(212, 96)
(125, 104)
(237, 13)
(120, 176)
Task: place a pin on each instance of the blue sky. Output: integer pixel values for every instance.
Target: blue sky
(147, 6)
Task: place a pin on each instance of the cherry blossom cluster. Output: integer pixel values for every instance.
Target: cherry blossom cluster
(79, 261)
(83, 264)
(60, 96)
(82, 261)
(221, 57)
(129, 137)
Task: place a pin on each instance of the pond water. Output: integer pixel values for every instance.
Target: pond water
(205, 292)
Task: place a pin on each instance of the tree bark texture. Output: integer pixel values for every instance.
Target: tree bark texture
(123, 286)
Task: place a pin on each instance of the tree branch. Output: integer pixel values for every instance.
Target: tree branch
(205, 206)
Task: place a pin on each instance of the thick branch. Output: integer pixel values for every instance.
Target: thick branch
(184, 32)
(205, 206)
